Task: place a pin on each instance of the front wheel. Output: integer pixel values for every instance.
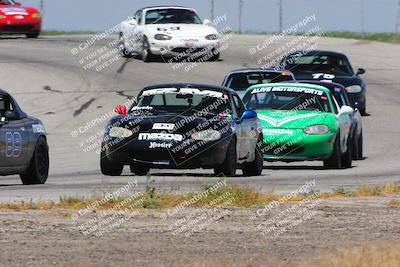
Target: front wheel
(139, 170)
(109, 168)
(228, 167)
(38, 169)
(335, 160)
(255, 167)
(124, 52)
(33, 35)
(147, 55)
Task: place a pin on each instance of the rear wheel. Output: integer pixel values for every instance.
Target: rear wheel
(334, 161)
(123, 49)
(228, 167)
(140, 170)
(108, 167)
(33, 35)
(255, 167)
(38, 169)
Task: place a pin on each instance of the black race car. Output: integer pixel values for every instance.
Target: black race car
(327, 65)
(241, 79)
(183, 126)
(356, 130)
(23, 145)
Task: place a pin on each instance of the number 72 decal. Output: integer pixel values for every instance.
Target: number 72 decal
(13, 144)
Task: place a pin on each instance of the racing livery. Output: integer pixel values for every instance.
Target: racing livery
(183, 126)
(170, 31)
(240, 80)
(327, 65)
(15, 19)
(23, 145)
(302, 122)
(356, 131)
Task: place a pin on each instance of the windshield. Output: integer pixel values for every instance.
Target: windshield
(319, 63)
(166, 16)
(7, 2)
(182, 101)
(242, 81)
(287, 98)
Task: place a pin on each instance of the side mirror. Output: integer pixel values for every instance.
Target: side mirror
(346, 110)
(360, 71)
(207, 22)
(11, 115)
(121, 110)
(248, 114)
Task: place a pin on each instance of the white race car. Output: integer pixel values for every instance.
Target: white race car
(169, 31)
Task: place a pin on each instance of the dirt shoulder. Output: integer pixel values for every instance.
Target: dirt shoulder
(44, 238)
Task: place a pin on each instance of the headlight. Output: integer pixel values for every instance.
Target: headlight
(354, 89)
(120, 132)
(2, 17)
(36, 16)
(212, 37)
(317, 129)
(207, 135)
(162, 37)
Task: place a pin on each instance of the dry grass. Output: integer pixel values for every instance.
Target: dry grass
(367, 255)
(394, 203)
(240, 197)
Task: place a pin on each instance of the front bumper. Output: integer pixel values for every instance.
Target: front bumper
(12, 26)
(158, 154)
(298, 146)
(180, 49)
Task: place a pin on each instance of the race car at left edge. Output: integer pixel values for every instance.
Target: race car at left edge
(17, 19)
(23, 143)
(183, 126)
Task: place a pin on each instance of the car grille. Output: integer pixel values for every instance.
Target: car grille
(18, 28)
(187, 50)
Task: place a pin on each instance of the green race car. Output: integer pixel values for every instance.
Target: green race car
(301, 122)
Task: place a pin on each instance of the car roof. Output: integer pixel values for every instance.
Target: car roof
(189, 85)
(307, 85)
(267, 70)
(318, 52)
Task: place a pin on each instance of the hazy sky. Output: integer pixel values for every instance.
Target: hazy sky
(258, 15)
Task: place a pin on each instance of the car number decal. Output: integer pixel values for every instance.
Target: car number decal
(13, 144)
(324, 76)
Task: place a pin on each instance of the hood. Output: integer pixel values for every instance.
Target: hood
(181, 124)
(290, 119)
(343, 80)
(182, 30)
(8, 10)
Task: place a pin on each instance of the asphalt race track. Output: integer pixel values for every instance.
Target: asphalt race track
(48, 83)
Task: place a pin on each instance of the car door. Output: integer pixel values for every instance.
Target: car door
(14, 138)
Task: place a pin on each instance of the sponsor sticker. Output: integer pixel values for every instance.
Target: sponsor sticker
(277, 131)
(287, 89)
(38, 128)
(160, 136)
(163, 126)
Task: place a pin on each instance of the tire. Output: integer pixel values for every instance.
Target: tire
(139, 170)
(38, 169)
(215, 57)
(347, 157)
(123, 50)
(363, 111)
(33, 35)
(228, 167)
(109, 168)
(255, 167)
(147, 56)
(335, 160)
(360, 146)
(355, 148)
